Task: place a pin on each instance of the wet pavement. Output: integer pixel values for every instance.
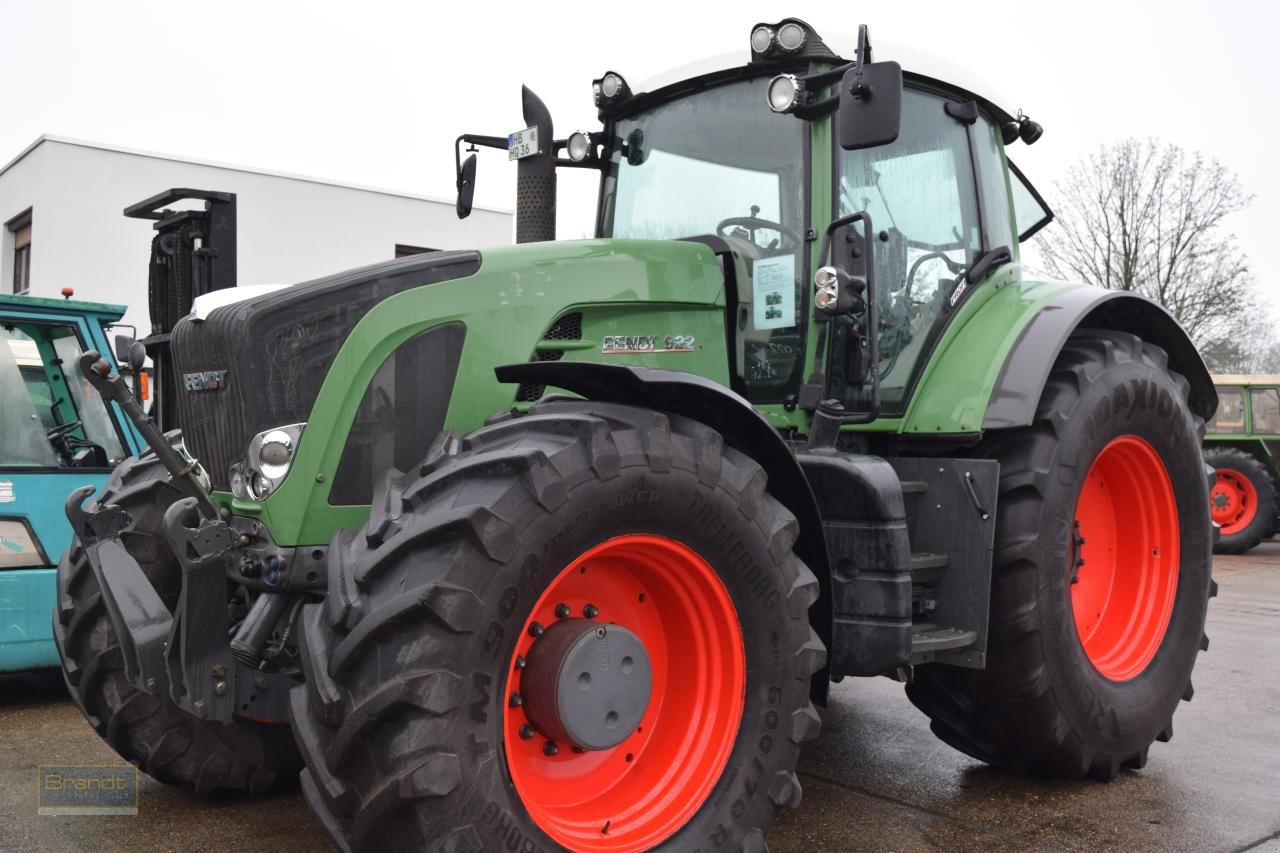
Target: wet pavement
(875, 780)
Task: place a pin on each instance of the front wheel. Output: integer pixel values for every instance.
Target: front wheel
(1242, 499)
(1101, 574)
(584, 628)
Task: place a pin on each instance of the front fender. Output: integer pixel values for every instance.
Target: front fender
(743, 428)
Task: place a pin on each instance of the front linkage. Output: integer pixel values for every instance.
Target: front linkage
(187, 655)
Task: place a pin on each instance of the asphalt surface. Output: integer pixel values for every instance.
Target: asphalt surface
(875, 780)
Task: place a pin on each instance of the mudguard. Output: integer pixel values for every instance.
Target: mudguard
(743, 428)
(1021, 381)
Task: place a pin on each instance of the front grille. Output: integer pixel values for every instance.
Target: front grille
(567, 328)
(277, 350)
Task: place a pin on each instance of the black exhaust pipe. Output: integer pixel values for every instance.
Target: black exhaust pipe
(536, 177)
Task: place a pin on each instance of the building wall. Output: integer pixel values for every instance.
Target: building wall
(19, 187)
(289, 229)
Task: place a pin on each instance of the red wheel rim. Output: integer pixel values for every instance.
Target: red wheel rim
(639, 793)
(1233, 501)
(1124, 558)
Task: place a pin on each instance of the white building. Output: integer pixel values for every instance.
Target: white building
(61, 203)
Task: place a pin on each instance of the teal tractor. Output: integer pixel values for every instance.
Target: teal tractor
(56, 434)
(560, 544)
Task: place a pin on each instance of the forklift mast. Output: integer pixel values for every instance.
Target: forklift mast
(192, 253)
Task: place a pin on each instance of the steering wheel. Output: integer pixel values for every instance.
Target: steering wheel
(953, 266)
(62, 430)
(755, 223)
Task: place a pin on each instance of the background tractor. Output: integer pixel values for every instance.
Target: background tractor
(1240, 445)
(794, 414)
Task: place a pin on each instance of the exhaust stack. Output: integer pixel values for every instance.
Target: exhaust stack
(536, 177)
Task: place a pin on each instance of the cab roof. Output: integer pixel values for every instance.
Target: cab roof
(10, 302)
(1246, 379)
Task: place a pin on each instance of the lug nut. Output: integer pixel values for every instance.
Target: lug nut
(515, 700)
(577, 750)
(550, 748)
(521, 663)
(562, 611)
(591, 611)
(535, 630)
(220, 688)
(526, 732)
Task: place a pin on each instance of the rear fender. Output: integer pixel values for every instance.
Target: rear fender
(1026, 369)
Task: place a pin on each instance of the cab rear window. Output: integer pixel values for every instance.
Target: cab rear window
(1230, 415)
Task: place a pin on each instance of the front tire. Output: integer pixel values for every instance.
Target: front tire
(1242, 499)
(154, 733)
(1101, 576)
(420, 717)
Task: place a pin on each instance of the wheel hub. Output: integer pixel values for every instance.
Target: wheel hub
(587, 683)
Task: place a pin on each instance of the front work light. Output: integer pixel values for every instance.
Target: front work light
(609, 89)
(761, 39)
(578, 146)
(791, 37)
(785, 92)
(837, 292)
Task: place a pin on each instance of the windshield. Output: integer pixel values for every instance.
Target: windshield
(719, 161)
(49, 416)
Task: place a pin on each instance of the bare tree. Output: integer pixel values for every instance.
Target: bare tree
(1148, 217)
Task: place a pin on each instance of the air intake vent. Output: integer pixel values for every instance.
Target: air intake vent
(567, 328)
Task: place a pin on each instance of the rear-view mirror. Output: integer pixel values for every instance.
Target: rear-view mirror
(870, 105)
(466, 186)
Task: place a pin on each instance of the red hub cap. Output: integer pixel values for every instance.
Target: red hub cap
(1233, 501)
(647, 782)
(1124, 558)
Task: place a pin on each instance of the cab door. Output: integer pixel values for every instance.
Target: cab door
(56, 435)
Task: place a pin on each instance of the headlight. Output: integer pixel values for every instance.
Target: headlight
(578, 146)
(267, 463)
(609, 88)
(826, 289)
(761, 39)
(791, 37)
(785, 91)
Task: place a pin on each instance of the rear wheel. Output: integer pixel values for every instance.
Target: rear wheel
(1101, 576)
(583, 628)
(165, 741)
(1242, 499)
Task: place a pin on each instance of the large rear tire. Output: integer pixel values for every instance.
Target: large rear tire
(1101, 577)
(428, 719)
(1242, 499)
(165, 741)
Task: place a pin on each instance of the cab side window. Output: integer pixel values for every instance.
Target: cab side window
(1230, 415)
(1266, 410)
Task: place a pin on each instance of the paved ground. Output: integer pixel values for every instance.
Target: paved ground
(875, 780)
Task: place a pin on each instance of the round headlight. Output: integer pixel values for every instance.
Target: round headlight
(611, 85)
(825, 277)
(825, 300)
(277, 448)
(791, 37)
(761, 39)
(259, 487)
(579, 146)
(783, 92)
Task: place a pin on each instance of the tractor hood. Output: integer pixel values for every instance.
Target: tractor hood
(290, 356)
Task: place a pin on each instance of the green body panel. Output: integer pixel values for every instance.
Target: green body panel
(636, 287)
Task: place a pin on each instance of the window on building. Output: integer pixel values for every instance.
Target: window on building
(21, 228)
(404, 250)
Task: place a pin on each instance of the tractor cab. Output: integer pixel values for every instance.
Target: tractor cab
(801, 160)
(56, 435)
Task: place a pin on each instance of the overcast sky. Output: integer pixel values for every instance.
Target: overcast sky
(375, 92)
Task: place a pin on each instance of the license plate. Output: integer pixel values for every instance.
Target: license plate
(522, 143)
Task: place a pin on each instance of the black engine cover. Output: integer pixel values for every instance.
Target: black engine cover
(277, 349)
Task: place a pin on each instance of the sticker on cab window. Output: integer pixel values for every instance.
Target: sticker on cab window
(773, 288)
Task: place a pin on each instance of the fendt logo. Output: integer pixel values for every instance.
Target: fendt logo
(209, 380)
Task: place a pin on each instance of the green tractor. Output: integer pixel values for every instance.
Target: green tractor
(1240, 444)
(560, 544)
